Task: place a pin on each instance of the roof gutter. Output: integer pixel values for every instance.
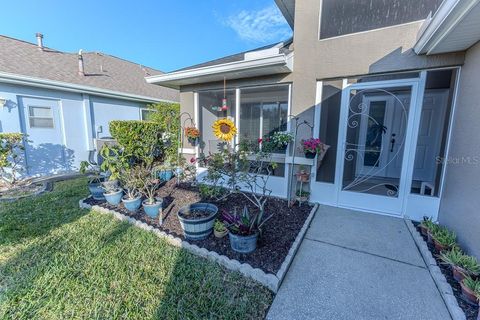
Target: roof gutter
(70, 87)
(237, 66)
(447, 17)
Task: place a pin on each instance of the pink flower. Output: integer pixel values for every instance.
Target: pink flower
(193, 160)
(260, 140)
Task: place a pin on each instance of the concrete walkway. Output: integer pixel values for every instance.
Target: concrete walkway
(354, 265)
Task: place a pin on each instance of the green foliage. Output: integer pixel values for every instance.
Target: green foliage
(211, 192)
(94, 174)
(132, 181)
(302, 193)
(472, 284)
(455, 257)
(166, 115)
(445, 237)
(141, 140)
(219, 226)
(115, 162)
(62, 262)
(428, 223)
(282, 139)
(12, 152)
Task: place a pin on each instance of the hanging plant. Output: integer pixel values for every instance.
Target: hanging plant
(192, 134)
(312, 147)
(224, 129)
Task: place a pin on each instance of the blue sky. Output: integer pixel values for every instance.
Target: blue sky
(162, 34)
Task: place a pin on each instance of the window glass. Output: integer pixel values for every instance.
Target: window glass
(263, 111)
(40, 117)
(433, 131)
(146, 114)
(341, 17)
(210, 104)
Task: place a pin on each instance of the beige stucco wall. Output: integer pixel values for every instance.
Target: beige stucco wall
(459, 209)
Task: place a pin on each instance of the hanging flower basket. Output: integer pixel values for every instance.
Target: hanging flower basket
(312, 147)
(192, 134)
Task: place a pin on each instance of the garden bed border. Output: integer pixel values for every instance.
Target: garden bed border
(46, 187)
(270, 280)
(440, 281)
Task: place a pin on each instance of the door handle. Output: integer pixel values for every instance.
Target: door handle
(392, 142)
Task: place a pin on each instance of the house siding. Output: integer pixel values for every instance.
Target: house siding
(80, 115)
(459, 208)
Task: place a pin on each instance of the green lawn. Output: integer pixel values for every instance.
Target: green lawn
(60, 262)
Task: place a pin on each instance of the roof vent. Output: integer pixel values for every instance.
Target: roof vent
(39, 40)
(81, 69)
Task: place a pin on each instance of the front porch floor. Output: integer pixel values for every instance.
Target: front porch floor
(354, 265)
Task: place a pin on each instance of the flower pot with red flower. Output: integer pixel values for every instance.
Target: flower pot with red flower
(193, 135)
(312, 147)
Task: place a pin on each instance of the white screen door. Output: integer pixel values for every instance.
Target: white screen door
(376, 133)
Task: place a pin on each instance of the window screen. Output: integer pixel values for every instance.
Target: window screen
(40, 117)
(341, 17)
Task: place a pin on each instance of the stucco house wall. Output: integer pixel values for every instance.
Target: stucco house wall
(81, 117)
(459, 208)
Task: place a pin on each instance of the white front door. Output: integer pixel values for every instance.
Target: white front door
(45, 151)
(376, 132)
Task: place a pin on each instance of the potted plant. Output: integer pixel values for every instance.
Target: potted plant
(197, 220)
(443, 239)
(112, 193)
(462, 265)
(219, 229)
(95, 179)
(165, 172)
(243, 229)
(312, 147)
(431, 230)
(132, 200)
(302, 174)
(426, 224)
(281, 139)
(470, 289)
(150, 185)
(192, 134)
(302, 195)
(114, 162)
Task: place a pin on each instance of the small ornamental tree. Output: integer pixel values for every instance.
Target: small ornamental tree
(12, 153)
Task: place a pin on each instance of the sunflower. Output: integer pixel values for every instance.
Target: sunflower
(224, 129)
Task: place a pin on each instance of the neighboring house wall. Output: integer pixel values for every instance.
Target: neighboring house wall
(76, 117)
(459, 209)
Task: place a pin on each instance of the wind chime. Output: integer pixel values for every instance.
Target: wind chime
(224, 106)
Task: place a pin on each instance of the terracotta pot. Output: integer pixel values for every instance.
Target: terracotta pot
(440, 247)
(429, 237)
(458, 273)
(423, 230)
(220, 234)
(469, 295)
(303, 177)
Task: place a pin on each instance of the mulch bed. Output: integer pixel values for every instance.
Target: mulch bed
(273, 246)
(470, 310)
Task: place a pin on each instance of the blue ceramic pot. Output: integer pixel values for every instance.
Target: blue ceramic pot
(96, 191)
(198, 229)
(114, 198)
(132, 204)
(243, 244)
(165, 175)
(152, 210)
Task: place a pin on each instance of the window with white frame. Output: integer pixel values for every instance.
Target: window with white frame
(40, 117)
(263, 111)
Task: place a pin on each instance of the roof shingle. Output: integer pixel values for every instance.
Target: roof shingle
(102, 71)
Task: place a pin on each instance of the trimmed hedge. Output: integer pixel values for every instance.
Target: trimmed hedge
(167, 115)
(140, 139)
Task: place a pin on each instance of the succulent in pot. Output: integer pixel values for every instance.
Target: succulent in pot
(197, 220)
(150, 184)
(302, 195)
(244, 229)
(426, 225)
(470, 290)
(462, 264)
(132, 182)
(219, 229)
(443, 239)
(95, 179)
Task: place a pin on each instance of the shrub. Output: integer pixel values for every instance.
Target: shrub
(140, 140)
(167, 116)
(12, 152)
(445, 237)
